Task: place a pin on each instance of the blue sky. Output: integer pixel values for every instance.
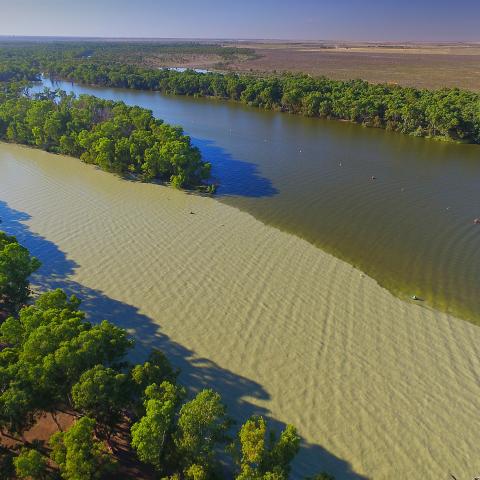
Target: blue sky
(284, 19)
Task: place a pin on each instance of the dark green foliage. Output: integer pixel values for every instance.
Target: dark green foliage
(79, 455)
(448, 113)
(202, 425)
(51, 346)
(16, 265)
(152, 434)
(30, 464)
(117, 138)
(157, 369)
(102, 394)
(7, 468)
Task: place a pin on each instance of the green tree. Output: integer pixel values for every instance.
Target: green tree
(53, 351)
(252, 445)
(151, 434)
(260, 459)
(30, 464)
(47, 308)
(102, 393)
(156, 369)
(51, 347)
(77, 453)
(17, 408)
(16, 265)
(202, 426)
(196, 472)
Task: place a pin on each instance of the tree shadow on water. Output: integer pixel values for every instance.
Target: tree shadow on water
(197, 372)
(235, 177)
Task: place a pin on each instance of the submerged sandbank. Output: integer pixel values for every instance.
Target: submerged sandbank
(377, 386)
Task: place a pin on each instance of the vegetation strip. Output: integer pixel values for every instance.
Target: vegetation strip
(449, 113)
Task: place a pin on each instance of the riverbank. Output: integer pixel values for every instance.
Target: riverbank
(377, 386)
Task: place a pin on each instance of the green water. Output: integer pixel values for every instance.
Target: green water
(411, 228)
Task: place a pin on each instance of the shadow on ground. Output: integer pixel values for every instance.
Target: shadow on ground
(197, 372)
(235, 177)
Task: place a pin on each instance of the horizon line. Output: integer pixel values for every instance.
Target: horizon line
(237, 39)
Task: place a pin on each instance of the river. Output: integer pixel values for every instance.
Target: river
(399, 208)
(377, 386)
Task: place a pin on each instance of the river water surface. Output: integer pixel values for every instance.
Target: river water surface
(410, 227)
(378, 387)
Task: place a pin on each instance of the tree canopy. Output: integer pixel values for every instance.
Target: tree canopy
(30, 464)
(79, 455)
(117, 138)
(16, 265)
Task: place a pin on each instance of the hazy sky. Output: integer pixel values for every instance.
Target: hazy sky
(285, 19)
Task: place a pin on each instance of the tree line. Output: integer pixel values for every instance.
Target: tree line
(52, 358)
(448, 113)
(136, 52)
(118, 138)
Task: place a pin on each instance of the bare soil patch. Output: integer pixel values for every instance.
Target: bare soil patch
(47, 424)
(417, 65)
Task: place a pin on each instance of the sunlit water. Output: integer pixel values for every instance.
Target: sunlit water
(410, 227)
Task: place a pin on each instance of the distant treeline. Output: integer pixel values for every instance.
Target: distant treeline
(117, 138)
(136, 53)
(113, 49)
(451, 114)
